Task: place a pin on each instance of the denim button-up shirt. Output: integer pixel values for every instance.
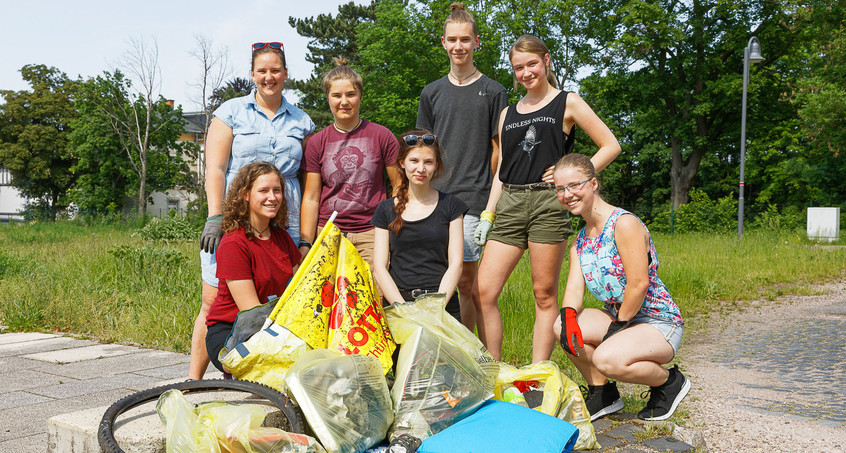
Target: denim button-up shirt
(278, 140)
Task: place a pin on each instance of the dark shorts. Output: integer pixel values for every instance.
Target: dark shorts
(215, 340)
(530, 215)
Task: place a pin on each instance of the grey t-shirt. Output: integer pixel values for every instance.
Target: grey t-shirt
(464, 118)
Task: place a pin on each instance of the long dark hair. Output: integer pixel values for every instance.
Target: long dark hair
(236, 209)
(402, 190)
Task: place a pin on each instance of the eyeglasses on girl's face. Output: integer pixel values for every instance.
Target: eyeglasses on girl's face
(427, 139)
(272, 45)
(572, 188)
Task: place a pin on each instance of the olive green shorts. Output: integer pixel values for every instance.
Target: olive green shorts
(530, 215)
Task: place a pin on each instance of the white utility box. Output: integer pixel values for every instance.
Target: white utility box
(824, 224)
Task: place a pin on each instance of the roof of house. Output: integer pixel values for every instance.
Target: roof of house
(194, 122)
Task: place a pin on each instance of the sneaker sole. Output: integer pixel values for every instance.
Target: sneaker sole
(608, 410)
(682, 393)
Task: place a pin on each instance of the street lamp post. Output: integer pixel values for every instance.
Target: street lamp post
(752, 53)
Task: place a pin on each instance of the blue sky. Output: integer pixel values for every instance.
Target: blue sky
(87, 37)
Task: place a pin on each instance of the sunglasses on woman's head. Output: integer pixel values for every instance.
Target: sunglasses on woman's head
(427, 139)
(272, 45)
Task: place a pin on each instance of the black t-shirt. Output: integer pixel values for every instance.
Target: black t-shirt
(419, 253)
(465, 119)
(531, 142)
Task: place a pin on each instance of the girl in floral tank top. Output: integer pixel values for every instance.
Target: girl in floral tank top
(606, 279)
(640, 327)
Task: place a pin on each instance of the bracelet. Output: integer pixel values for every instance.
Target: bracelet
(488, 216)
(304, 243)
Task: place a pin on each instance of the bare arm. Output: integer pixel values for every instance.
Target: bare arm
(310, 208)
(244, 293)
(496, 186)
(381, 255)
(394, 177)
(494, 154)
(580, 113)
(631, 240)
(218, 149)
(574, 292)
(455, 254)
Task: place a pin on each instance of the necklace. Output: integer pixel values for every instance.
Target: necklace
(461, 81)
(260, 233)
(345, 131)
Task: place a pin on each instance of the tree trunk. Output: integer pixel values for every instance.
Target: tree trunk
(142, 189)
(682, 173)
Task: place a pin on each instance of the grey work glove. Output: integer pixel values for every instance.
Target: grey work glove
(483, 229)
(212, 233)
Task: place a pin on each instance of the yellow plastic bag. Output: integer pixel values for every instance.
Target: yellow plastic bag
(561, 396)
(220, 427)
(266, 357)
(345, 399)
(332, 301)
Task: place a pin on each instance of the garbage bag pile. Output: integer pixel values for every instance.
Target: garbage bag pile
(328, 343)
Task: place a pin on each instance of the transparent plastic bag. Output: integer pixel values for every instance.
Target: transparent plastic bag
(345, 399)
(220, 427)
(444, 373)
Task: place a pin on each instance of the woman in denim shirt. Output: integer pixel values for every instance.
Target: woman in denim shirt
(260, 127)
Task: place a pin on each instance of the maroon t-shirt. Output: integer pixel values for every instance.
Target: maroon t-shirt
(351, 166)
(269, 264)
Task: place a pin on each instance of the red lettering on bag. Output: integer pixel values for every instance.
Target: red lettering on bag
(351, 336)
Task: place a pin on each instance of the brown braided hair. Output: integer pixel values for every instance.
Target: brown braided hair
(236, 209)
(402, 190)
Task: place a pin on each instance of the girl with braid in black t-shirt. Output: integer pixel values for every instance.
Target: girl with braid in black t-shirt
(522, 210)
(420, 230)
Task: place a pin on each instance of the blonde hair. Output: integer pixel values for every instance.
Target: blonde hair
(342, 72)
(531, 44)
(459, 15)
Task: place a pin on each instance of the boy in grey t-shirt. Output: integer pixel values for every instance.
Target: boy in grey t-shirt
(462, 109)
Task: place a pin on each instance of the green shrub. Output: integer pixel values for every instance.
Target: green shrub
(171, 228)
(790, 218)
(700, 214)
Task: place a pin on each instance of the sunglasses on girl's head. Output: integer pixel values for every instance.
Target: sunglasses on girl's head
(427, 139)
(272, 45)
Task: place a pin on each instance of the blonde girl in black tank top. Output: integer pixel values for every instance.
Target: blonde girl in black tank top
(540, 129)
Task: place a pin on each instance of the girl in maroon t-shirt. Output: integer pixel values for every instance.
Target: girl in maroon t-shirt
(256, 257)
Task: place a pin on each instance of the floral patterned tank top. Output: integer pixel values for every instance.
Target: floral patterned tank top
(606, 279)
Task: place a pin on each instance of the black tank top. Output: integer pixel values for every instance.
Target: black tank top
(531, 142)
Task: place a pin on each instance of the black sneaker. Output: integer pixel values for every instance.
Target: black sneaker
(602, 400)
(664, 399)
(404, 443)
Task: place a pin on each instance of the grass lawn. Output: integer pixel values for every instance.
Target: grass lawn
(102, 281)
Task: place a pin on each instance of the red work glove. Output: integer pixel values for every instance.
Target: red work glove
(571, 333)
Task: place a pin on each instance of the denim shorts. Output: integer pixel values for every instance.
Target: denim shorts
(472, 251)
(672, 332)
(208, 267)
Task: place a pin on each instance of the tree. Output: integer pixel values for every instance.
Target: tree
(215, 69)
(146, 126)
(329, 37)
(685, 61)
(34, 127)
(234, 88)
(121, 139)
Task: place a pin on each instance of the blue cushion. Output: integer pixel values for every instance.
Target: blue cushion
(504, 427)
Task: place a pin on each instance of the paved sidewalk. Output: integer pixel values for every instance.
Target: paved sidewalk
(44, 375)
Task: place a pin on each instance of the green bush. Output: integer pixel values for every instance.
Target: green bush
(790, 218)
(171, 228)
(701, 214)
